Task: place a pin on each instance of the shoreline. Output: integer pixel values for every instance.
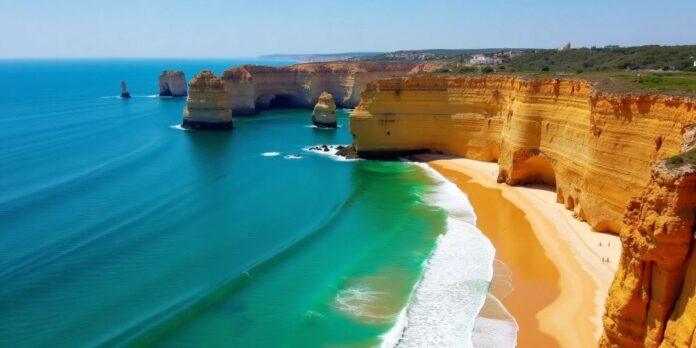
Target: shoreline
(445, 304)
(555, 260)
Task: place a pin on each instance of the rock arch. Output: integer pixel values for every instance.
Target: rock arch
(279, 100)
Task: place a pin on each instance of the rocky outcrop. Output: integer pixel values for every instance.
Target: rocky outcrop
(252, 88)
(206, 108)
(324, 113)
(172, 84)
(651, 301)
(124, 90)
(600, 152)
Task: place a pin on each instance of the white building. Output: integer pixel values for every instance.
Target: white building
(480, 59)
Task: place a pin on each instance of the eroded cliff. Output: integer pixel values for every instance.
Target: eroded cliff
(600, 152)
(206, 108)
(172, 84)
(596, 148)
(250, 88)
(324, 113)
(651, 300)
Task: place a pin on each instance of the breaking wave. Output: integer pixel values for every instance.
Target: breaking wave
(445, 305)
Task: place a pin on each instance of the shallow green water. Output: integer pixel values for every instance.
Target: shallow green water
(117, 228)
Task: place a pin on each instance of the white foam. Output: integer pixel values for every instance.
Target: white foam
(332, 153)
(497, 328)
(444, 305)
(357, 301)
(179, 127)
(270, 154)
(326, 128)
(132, 96)
(292, 157)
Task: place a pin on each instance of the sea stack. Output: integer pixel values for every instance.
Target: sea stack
(172, 84)
(124, 90)
(324, 115)
(207, 108)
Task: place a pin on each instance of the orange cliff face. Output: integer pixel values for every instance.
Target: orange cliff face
(251, 88)
(652, 300)
(598, 149)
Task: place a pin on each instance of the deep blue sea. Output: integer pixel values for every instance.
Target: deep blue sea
(117, 228)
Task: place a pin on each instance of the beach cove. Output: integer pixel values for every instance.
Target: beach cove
(557, 280)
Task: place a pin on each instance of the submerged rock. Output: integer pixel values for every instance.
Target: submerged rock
(124, 90)
(324, 114)
(172, 84)
(347, 152)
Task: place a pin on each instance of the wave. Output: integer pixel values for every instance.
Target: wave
(179, 127)
(56, 254)
(132, 96)
(270, 154)
(62, 184)
(444, 306)
(323, 128)
(292, 157)
(358, 301)
(160, 323)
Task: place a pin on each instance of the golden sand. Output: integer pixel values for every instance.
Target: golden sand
(559, 278)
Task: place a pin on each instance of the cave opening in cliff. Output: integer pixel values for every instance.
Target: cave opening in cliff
(536, 170)
(283, 101)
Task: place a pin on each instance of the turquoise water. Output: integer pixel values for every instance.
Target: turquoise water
(116, 228)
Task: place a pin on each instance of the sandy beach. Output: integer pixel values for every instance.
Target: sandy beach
(553, 261)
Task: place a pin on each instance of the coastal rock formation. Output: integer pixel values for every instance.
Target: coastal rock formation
(172, 84)
(324, 113)
(124, 90)
(652, 300)
(206, 108)
(251, 88)
(598, 149)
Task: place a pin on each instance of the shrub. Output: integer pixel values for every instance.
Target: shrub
(487, 70)
(545, 68)
(676, 160)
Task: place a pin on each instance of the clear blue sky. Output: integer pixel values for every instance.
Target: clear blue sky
(235, 28)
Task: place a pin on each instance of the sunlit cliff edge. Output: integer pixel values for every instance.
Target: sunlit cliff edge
(247, 89)
(611, 157)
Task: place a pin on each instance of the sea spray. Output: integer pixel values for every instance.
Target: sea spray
(444, 305)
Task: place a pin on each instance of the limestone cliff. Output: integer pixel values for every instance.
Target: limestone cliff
(598, 149)
(172, 84)
(206, 108)
(251, 88)
(652, 300)
(324, 113)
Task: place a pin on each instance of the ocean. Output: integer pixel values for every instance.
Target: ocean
(118, 228)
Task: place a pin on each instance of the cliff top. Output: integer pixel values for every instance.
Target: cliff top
(634, 82)
(351, 67)
(682, 84)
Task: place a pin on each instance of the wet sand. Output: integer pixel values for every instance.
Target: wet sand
(558, 281)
